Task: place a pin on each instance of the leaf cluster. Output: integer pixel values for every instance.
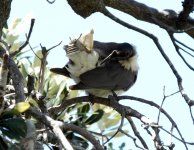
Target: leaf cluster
(43, 95)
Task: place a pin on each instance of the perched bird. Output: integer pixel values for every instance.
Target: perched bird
(100, 67)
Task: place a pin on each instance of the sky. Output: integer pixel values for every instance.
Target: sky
(58, 22)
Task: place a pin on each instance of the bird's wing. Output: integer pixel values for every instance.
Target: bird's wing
(61, 71)
(97, 78)
(111, 77)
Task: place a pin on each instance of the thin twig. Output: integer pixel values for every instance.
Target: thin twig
(186, 52)
(42, 69)
(183, 45)
(119, 128)
(136, 132)
(158, 107)
(177, 50)
(54, 46)
(129, 112)
(45, 53)
(183, 141)
(191, 113)
(56, 127)
(27, 39)
(84, 133)
(34, 51)
(155, 40)
(184, 95)
(134, 139)
(164, 97)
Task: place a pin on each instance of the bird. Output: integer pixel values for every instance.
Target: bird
(100, 68)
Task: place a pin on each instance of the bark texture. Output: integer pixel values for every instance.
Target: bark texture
(5, 8)
(167, 19)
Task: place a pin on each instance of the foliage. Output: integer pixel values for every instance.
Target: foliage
(54, 115)
(13, 128)
(55, 91)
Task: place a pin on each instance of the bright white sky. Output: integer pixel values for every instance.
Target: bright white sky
(58, 22)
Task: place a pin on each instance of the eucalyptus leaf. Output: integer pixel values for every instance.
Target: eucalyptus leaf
(21, 107)
(15, 23)
(13, 128)
(95, 117)
(37, 61)
(119, 134)
(3, 145)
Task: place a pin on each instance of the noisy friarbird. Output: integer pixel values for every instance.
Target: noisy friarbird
(100, 67)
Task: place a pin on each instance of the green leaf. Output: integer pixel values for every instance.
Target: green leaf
(62, 88)
(119, 134)
(122, 146)
(25, 67)
(72, 108)
(37, 61)
(112, 121)
(14, 128)
(23, 70)
(15, 109)
(15, 23)
(3, 145)
(11, 39)
(9, 133)
(84, 109)
(72, 94)
(77, 140)
(95, 117)
(54, 102)
(82, 112)
(21, 107)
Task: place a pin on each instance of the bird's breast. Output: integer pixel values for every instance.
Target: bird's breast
(130, 63)
(82, 62)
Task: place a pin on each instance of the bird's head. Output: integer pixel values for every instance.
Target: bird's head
(83, 43)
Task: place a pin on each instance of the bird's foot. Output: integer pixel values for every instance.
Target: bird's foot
(113, 96)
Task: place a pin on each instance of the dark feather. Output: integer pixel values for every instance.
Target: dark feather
(111, 76)
(61, 71)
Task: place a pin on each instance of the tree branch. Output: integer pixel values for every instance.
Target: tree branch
(155, 40)
(151, 103)
(3, 81)
(27, 39)
(187, 9)
(84, 133)
(4, 13)
(127, 111)
(16, 76)
(138, 10)
(55, 127)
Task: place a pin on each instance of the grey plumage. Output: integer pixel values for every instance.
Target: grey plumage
(114, 67)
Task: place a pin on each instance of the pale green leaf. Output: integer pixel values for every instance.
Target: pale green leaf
(119, 134)
(37, 61)
(21, 107)
(15, 23)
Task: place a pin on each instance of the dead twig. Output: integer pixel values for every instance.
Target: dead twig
(27, 39)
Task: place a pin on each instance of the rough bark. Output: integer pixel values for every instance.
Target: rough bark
(5, 8)
(168, 19)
